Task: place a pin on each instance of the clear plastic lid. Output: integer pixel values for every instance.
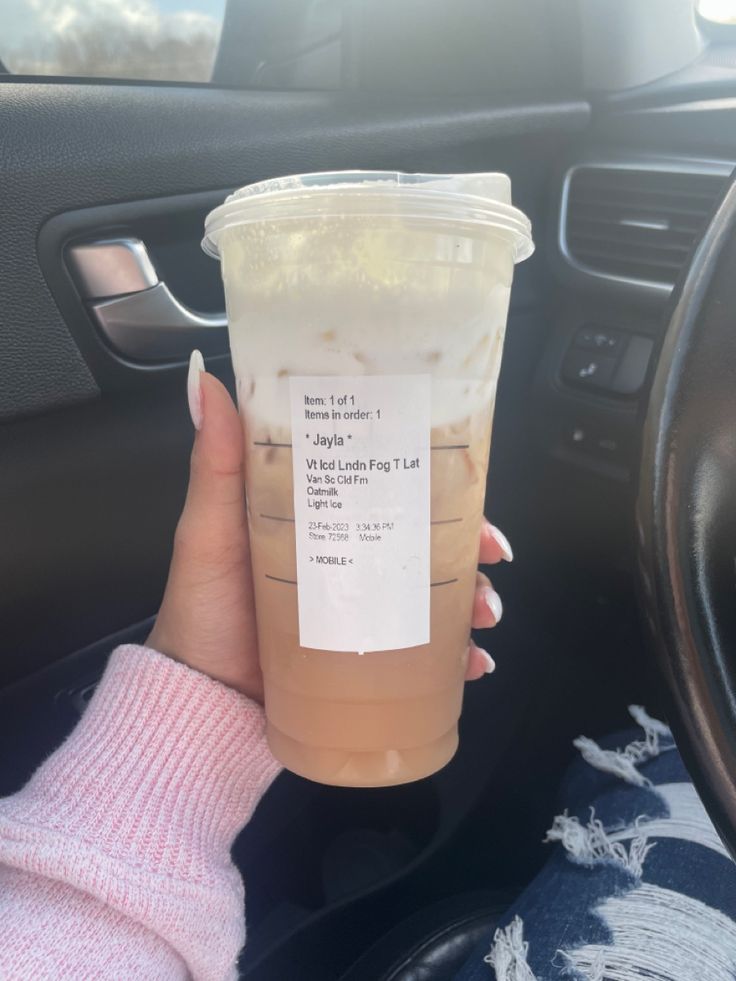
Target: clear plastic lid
(476, 198)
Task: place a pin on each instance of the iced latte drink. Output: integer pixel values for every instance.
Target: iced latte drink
(367, 314)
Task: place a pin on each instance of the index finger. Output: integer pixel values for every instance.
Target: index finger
(494, 545)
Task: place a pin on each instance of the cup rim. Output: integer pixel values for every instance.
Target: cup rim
(375, 194)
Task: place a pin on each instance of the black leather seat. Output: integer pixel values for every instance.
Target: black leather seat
(434, 943)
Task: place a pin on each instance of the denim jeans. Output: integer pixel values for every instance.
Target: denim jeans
(639, 885)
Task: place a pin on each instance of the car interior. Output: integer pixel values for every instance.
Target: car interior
(616, 121)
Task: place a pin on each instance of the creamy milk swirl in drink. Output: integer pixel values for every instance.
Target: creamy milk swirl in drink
(367, 314)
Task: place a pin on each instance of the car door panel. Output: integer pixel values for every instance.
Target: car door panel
(81, 145)
(93, 446)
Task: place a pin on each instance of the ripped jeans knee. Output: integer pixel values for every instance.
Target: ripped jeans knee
(662, 905)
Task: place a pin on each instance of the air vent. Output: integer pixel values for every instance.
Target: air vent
(638, 225)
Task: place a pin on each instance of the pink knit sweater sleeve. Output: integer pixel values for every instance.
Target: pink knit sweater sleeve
(115, 857)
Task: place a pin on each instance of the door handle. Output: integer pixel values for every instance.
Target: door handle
(151, 325)
(136, 312)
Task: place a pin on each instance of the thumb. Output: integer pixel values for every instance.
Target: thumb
(206, 617)
(214, 511)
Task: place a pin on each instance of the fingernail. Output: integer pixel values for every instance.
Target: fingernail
(493, 602)
(489, 662)
(194, 387)
(503, 543)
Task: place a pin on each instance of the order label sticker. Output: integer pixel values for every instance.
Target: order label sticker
(361, 507)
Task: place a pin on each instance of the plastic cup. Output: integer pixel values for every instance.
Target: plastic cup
(367, 314)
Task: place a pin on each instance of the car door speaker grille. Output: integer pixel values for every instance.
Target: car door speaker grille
(638, 225)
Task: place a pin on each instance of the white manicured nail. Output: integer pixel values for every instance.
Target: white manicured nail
(493, 602)
(503, 543)
(490, 664)
(194, 387)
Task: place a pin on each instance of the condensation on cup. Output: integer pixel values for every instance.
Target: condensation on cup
(367, 314)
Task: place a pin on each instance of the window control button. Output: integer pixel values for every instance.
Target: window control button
(588, 369)
(600, 339)
(632, 371)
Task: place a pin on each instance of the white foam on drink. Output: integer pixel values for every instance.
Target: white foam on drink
(272, 339)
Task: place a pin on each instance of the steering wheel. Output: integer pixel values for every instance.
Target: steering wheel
(686, 516)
